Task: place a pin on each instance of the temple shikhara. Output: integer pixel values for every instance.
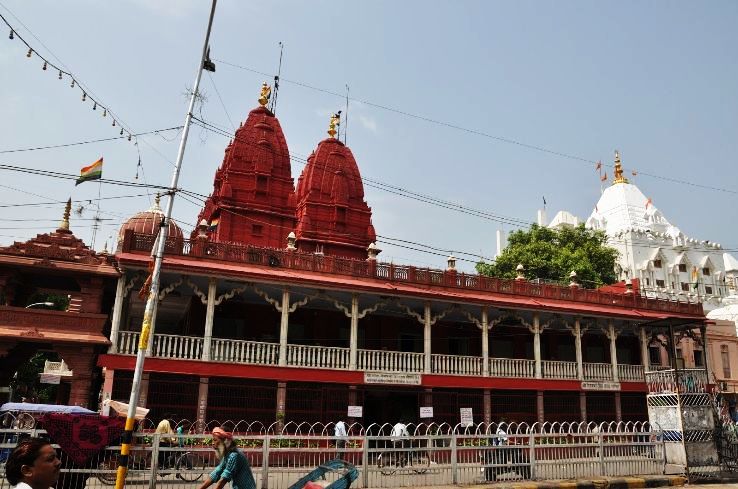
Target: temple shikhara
(278, 307)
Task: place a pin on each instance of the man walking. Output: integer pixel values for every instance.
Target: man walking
(341, 434)
(234, 467)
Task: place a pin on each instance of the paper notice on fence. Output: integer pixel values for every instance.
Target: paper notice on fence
(467, 416)
(426, 412)
(391, 378)
(355, 411)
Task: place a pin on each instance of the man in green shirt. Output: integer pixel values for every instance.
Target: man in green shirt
(234, 467)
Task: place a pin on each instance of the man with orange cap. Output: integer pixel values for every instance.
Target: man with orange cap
(234, 467)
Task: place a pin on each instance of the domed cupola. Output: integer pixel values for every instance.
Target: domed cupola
(148, 222)
(253, 198)
(332, 216)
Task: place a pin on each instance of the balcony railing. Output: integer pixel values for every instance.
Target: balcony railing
(308, 356)
(683, 381)
(240, 351)
(388, 272)
(390, 361)
(597, 371)
(512, 367)
(317, 356)
(559, 370)
(630, 373)
(456, 365)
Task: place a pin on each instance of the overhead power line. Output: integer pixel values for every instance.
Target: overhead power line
(476, 132)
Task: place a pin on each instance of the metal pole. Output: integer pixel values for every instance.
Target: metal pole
(154, 291)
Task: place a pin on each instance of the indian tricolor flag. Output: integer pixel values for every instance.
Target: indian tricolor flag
(92, 172)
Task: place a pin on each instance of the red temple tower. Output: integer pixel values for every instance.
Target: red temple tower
(253, 199)
(332, 215)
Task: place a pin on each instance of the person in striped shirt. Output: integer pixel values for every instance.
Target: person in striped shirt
(234, 467)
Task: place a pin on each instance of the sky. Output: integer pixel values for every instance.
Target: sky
(490, 105)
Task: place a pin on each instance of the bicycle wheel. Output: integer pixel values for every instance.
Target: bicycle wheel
(190, 467)
(104, 475)
(387, 463)
(420, 463)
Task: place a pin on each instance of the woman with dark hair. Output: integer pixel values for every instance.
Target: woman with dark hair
(33, 464)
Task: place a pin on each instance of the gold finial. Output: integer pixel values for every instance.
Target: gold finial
(265, 95)
(619, 178)
(64, 226)
(333, 125)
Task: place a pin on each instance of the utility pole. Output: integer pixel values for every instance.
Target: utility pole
(160, 245)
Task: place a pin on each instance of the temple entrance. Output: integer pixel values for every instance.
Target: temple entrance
(389, 406)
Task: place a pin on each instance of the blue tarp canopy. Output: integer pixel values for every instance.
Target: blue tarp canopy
(44, 408)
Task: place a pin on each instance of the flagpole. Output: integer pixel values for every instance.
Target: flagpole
(96, 220)
(159, 254)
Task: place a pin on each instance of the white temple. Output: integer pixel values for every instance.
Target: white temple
(667, 263)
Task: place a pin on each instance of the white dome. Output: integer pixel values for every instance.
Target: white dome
(623, 207)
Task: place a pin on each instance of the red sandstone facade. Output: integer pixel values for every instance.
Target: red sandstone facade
(256, 323)
(61, 264)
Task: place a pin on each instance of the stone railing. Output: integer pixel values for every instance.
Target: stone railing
(597, 371)
(240, 351)
(389, 272)
(57, 321)
(559, 370)
(512, 367)
(390, 361)
(456, 365)
(631, 373)
(317, 356)
(308, 356)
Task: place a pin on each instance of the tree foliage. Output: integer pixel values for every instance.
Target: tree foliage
(552, 254)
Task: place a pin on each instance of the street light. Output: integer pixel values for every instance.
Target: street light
(47, 304)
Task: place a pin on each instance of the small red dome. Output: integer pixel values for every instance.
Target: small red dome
(148, 222)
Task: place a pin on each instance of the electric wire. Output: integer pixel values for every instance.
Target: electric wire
(90, 141)
(476, 132)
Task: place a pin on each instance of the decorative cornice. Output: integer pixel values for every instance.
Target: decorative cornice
(170, 288)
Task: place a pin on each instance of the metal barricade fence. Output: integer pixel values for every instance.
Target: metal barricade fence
(431, 456)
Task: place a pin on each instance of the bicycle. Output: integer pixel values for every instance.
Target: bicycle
(389, 462)
(189, 466)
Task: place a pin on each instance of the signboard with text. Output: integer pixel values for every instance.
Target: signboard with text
(391, 378)
(426, 412)
(355, 411)
(589, 385)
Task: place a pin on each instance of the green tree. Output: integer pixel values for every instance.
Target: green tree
(25, 382)
(553, 254)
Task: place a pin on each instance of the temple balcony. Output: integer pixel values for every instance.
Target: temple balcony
(303, 356)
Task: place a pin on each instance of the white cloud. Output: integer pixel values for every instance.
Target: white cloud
(368, 123)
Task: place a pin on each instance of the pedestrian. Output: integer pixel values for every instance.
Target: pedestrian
(341, 434)
(33, 464)
(164, 428)
(399, 437)
(233, 467)
(496, 455)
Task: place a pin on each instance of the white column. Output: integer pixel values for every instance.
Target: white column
(612, 335)
(209, 315)
(354, 334)
(577, 332)
(537, 345)
(427, 337)
(117, 312)
(283, 326)
(485, 343)
(644, 349)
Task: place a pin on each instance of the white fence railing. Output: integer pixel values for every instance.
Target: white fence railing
(308, 356)
(434, 455)
(632, 373)
(512, 367)
(390, 361)
(597, 371)
(559, 370)
(240, 351)
(456, 365)
(317, 356)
